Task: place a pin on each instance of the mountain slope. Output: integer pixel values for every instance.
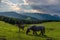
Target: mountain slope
(30, 16)
(16, 15)
(41, 16)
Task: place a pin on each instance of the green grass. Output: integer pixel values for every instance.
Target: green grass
(10, 32)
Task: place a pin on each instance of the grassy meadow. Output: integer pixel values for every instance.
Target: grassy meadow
(10, 32)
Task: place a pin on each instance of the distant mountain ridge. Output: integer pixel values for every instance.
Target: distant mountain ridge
(41, 16)
(16, 15)
(32, 16)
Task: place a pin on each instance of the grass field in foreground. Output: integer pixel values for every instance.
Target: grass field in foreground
(10, 32)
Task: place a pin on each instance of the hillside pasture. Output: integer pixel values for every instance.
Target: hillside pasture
(10, 32)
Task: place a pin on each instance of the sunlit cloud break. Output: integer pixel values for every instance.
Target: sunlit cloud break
(12, 6)
(17, 7)
(32, 6)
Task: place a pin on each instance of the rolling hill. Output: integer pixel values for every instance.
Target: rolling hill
(32, 16)
(10, 32)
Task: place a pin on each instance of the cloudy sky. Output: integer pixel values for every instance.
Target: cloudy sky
(35, 6)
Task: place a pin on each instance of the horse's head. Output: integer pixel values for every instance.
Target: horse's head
(28, 30)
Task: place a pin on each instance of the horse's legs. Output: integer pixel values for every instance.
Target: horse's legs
(34, 32)
(22, 28)
(42, 32)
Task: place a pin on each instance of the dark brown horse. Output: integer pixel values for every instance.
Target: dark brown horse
(35, 29)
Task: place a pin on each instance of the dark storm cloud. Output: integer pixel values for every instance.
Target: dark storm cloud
(49, 6)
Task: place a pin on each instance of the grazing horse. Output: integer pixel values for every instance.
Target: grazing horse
(35, 29)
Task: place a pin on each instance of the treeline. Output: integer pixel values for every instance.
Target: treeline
(16, 20)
